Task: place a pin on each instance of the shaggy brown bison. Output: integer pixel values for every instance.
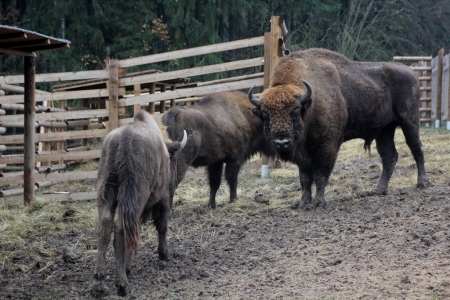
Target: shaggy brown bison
(343, 100)
(221, 129)
(135, 170)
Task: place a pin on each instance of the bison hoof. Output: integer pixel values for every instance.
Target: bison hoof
(380, 191)
(98, 291)
(163, 256)
(423, 183)
(305, 205)
(210, 204)
(121, 290)
(322, 204)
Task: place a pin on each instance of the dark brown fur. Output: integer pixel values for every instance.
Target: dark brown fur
(366, 100)
(221, 130)
(134, 176)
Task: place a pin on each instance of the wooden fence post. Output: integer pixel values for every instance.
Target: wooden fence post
(29, 130)
(272, 52)
(446, 87)
(151, 106)
(162, 104)
(436, 84)
(113, 89)
(137, 92)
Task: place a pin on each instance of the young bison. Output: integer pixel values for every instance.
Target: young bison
(134, 177)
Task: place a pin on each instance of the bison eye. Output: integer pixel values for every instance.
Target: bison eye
(265, 116)
(295, 114)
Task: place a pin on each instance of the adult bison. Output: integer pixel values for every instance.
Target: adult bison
(134, 176)
(222, 130)
(319, 99)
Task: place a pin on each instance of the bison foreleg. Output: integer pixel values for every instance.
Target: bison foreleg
(231, 175)
(214, 176)
(306, 183)
(121, 260)
(161, 214)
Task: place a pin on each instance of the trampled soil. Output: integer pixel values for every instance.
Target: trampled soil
(361, 246)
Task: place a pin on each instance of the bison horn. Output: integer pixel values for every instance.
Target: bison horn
(183, 142)
(306, 96)
(255, 101)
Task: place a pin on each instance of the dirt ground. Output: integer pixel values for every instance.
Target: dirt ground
(361, 246)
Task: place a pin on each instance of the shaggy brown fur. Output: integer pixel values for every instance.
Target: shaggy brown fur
(222, 130)
(349, 100)
(134, 176)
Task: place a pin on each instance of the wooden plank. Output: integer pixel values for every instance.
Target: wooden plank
(113, 87)
(197, 91)
(17, 52)
(17, 89)
(230, 79)
(421, 68)
(56, 96)
(65, 115)
(53, 156)
(155, 77)
(50, 77)
(413, 58)
(150, 59)
(56, 136)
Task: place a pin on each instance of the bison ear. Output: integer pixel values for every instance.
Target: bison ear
(174, 147)
(257, 112)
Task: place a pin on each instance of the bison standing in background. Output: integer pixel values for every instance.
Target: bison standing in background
(135, 172)
(222, 130)
(343, 100)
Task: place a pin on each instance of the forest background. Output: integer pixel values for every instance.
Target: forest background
(364, 30)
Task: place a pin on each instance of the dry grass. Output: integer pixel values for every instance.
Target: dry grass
(39, 230)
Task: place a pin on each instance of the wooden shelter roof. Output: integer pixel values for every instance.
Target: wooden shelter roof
(14, 39)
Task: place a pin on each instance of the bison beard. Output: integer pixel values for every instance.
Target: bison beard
(344, 100)
(222, 130)
(134, 176)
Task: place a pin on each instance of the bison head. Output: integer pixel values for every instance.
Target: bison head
(282, 109)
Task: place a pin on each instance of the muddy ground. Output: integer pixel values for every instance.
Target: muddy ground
(361, 246)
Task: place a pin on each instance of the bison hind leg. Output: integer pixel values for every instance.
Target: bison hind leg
(214, 177)
(389, 156)
(231, 175)
(161, 214)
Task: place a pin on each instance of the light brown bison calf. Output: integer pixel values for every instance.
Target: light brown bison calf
(135, 172)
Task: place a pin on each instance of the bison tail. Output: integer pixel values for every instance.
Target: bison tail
(129, 217)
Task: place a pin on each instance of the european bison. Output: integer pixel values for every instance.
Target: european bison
(221, 129)
(343, 100)
(134, 176)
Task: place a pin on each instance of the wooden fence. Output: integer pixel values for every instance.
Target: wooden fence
(107, 99)
(85, 106)
(434, 80)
